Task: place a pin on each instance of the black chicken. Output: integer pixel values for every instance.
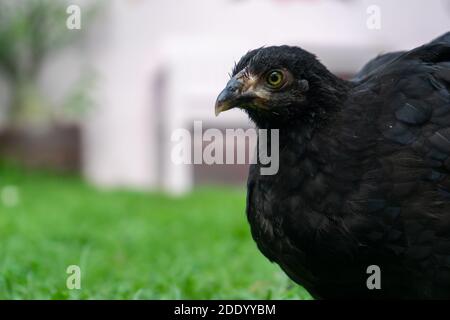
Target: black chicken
(364, 175)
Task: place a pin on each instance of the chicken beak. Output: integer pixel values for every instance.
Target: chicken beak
(224, 102)
(227, 99)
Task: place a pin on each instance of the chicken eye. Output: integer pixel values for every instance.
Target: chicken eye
(275, 78)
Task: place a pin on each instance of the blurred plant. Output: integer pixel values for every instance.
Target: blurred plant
(29, 31)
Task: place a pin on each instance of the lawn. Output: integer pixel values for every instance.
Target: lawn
(129, 245)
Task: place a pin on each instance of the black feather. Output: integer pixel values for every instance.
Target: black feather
(364, 174)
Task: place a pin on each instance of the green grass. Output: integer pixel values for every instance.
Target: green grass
(130, 245)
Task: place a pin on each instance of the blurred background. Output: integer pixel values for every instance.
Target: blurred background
(86, 117)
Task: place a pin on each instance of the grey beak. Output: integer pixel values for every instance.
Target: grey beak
(228, 97)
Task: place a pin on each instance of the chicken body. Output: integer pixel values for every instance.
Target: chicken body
(364, 174)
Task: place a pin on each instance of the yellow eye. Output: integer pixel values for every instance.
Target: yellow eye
(275, 78)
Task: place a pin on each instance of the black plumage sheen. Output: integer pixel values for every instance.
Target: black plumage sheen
(364, 175)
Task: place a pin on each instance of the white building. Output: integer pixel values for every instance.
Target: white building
(160, 65)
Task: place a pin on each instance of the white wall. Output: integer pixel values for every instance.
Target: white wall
(134, 39)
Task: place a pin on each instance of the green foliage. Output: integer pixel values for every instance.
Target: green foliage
(130, 245)
(30, 30)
